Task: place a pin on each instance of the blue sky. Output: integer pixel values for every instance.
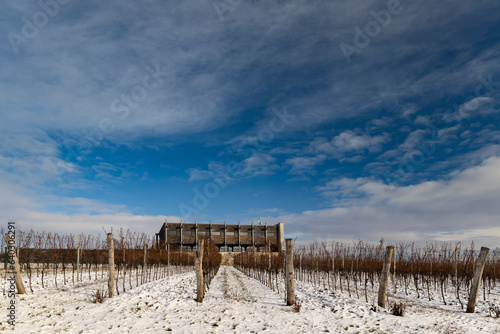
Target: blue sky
(344, 119)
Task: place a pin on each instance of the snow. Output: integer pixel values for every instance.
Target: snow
(234, 303)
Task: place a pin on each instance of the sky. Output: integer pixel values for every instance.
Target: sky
(345, 120)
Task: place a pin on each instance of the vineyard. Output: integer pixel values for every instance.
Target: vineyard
(330, 275)
(85, 258)
(437, 266)
(358, 266)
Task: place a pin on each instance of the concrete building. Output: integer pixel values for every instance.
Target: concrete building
(229, 238)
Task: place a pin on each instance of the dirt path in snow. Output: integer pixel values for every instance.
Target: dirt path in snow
(234, 287)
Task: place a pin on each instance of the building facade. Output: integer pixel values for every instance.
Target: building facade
(229, 238)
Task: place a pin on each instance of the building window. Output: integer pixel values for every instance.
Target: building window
(216, 233)
(202, 233)
(244, 233)
(258, 234)
(172, 232)
(230, 233)
(271, 234)
(187, 233)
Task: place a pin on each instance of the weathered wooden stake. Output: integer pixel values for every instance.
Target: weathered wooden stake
(384, 278)
(166, 236)
(343, 256)
(143, 278)
(124, 266)
(333, 265)
(456, 278)
(12, 256)
(476, 281)
(394, 274)
(168, 259)
(290, 292)
(78, 260)
(199, 271)
(111, 265)
(300, 266)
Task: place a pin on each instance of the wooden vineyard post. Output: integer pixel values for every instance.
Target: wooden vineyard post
(333, 265)
(300, 266)
(343, 256)
(166, 235)
(476, 281)
(124, 262)
(78, 261)
(456, 274)
(290, 293)
(268, 248)
(394, 274)
(384, 278)
(143, 277)
(13, 263)
(111, 264)
(199, 271)
(168, 259)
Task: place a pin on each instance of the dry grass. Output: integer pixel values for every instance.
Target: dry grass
(98, 297)
(398, 309)
(494, 311)
(297, 306)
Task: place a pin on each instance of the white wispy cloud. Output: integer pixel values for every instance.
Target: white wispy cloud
(463, 203)
(196, 174)
(349, 141)
(300, 165)
(347, 146)
(259, 164)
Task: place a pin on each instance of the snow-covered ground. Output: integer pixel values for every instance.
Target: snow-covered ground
(234, 303)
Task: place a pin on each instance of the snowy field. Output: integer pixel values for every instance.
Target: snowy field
(234, 304)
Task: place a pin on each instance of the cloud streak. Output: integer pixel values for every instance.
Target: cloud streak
(462, 207)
